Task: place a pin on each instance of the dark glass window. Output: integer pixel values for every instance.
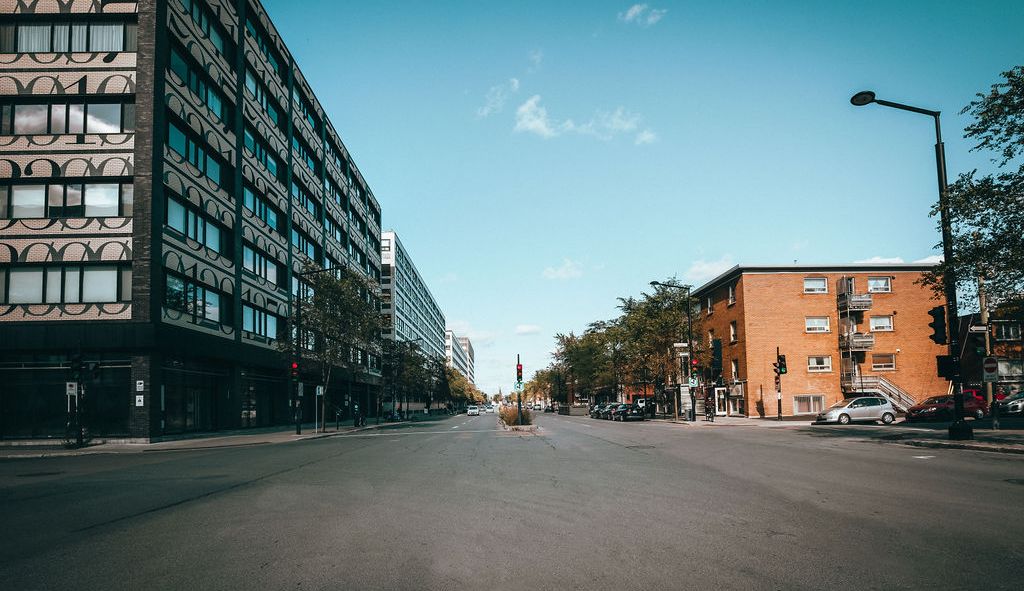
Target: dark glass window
(195, 152)
(67, 198)
(65, 284)
(187, 220)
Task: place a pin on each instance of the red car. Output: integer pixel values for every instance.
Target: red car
(942, 407)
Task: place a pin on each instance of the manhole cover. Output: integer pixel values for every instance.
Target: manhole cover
(1015, 480)
(37, 474)
(640, 447)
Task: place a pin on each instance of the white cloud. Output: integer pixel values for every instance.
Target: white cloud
(934, 259)
(524, 329)
(497, 95)
(480, 338)
(645, 137)
(532, 117)
(569, 269)
(643, 15)
(877, 260)
(702, 270)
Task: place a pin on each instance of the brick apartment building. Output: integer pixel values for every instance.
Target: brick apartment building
(844, 329)
(166, 168)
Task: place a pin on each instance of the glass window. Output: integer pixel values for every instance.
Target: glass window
(53, 285)
(30, 119)
(103, 118)
(175, 293)
(106, 37)
(101, 200)
(126, 284)
(732, 332)
(879, 284)
(176, 139)
(28, 201)
(26, 286)
(819, 363)
(212, 305)
(808, 404)
(58, 118)
(815, 285)
(128, 117)
(816, 324)
(271, 331)
(176, 215)
(99, 284)
(248, 319)
(61, 32)
(881, 323)
(79, 33)
(76, 118)
(213, 237)
(1007, 331)
(33, 38)
(883, 361)
(4, 200)
(72, 284)
(127, 199)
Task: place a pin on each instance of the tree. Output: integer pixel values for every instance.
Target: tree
(340, 323)
(987, 211)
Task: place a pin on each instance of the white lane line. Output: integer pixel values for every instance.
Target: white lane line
(923, 457)
(455, 427)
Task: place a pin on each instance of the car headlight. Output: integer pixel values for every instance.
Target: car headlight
(929, 409)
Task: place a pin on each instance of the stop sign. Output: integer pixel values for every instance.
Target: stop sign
(990, 369)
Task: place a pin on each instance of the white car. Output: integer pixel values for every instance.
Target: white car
(490, 408)
(473, 411)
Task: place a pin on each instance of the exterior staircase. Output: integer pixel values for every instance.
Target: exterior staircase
(879, 385)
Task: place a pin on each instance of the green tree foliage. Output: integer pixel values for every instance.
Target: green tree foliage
(987, 211)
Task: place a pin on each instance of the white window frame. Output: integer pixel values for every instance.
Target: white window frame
(889, 328)
(732, 294)
(811, 399)
(816, 291)
(883, 366)
(1004, 331)
(733, 332)
(824, 368)
(711, 308)
(817, 330)
(734, 366)
(888, 285)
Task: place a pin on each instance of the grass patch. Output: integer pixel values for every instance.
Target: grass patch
(510, 415)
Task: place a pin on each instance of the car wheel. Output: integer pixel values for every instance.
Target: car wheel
(887, 418)
(844, 419)
(979, 414)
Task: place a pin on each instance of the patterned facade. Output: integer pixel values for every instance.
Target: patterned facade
(410, 311)
(166, 169)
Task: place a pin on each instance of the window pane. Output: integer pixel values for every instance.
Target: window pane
(78, 37)
(248, 322)
(61, 33)
(53, 285)
(101, 200)
(127, 199)
(103, 118)
(213, 101)
(126, 284)
(128, 117)
(30, 119)
(106, 37)
(73, 202)
(76, 118)
(213, 169)
(27, 201)
(58, 118)
(271, 326)
(55, 200)
(99, 284)
(6, 39)
(131, 37)
(176, 139)
(175, 293)
(213, 237)
(212, 306)
(26, 286)
(33, 38)
(4, 192)
(72, 281)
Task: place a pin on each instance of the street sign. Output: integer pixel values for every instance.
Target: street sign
(319, 390)
(990, 369)
(140, 386)
(978, 328)
(693, 381)
(71, 388)
(140, 400)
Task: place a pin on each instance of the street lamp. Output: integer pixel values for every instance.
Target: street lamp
(689, 343)
(960, 429)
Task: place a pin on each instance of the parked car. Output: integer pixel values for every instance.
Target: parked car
(627, 412)
(862, 408)
(490, 408)
(942, 408)
(606, 411)
(473, 411)
(595, 411)
(537, 406)
(1012, 404)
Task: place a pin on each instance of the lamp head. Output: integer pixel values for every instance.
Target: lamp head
(864, 97)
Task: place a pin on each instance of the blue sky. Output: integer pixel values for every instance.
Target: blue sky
(541, 159)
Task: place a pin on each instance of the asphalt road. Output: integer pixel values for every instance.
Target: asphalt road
(459, 503)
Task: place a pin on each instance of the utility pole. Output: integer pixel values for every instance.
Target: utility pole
(993, 404)
(519, 388)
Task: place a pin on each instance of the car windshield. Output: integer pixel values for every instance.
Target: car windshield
(840, 404)
(937, 400)
(1016, 396)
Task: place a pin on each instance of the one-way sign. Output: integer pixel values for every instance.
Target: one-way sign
(990, 370)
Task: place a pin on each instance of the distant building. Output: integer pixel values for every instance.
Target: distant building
(455, 356)
(410, 311)
(1007, 346)
(467, 347)
(844, 329)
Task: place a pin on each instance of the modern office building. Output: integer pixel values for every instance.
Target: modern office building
(467, 348)
(165, 170)
(454, 355)
(410, 311)
(844, 329)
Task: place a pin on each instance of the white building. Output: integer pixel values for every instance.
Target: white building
(467, 347)
(410, 311)
(455, 356)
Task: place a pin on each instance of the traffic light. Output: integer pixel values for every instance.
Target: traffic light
(716, 355)
(519, 372)
(781, 364)
(938, 324)
(295, 371)
(947, 366)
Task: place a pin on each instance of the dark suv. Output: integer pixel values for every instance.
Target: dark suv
(627, 412)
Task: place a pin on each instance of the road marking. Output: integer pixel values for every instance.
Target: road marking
(455, 427)
(923, 457)
(413, 433)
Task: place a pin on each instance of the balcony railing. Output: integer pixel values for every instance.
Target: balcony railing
(857, 341)
(855, 302)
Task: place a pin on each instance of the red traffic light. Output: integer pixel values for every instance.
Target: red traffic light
(295, 365)
(694, 362)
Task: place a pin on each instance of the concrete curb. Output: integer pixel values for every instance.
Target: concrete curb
(968, 446)
(520, 428)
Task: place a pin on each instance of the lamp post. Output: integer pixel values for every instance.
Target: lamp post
(689, 340)
(960, 429)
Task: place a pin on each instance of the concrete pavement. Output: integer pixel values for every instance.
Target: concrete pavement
(462, 504)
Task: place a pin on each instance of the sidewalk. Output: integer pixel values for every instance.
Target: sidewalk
(51, 448)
